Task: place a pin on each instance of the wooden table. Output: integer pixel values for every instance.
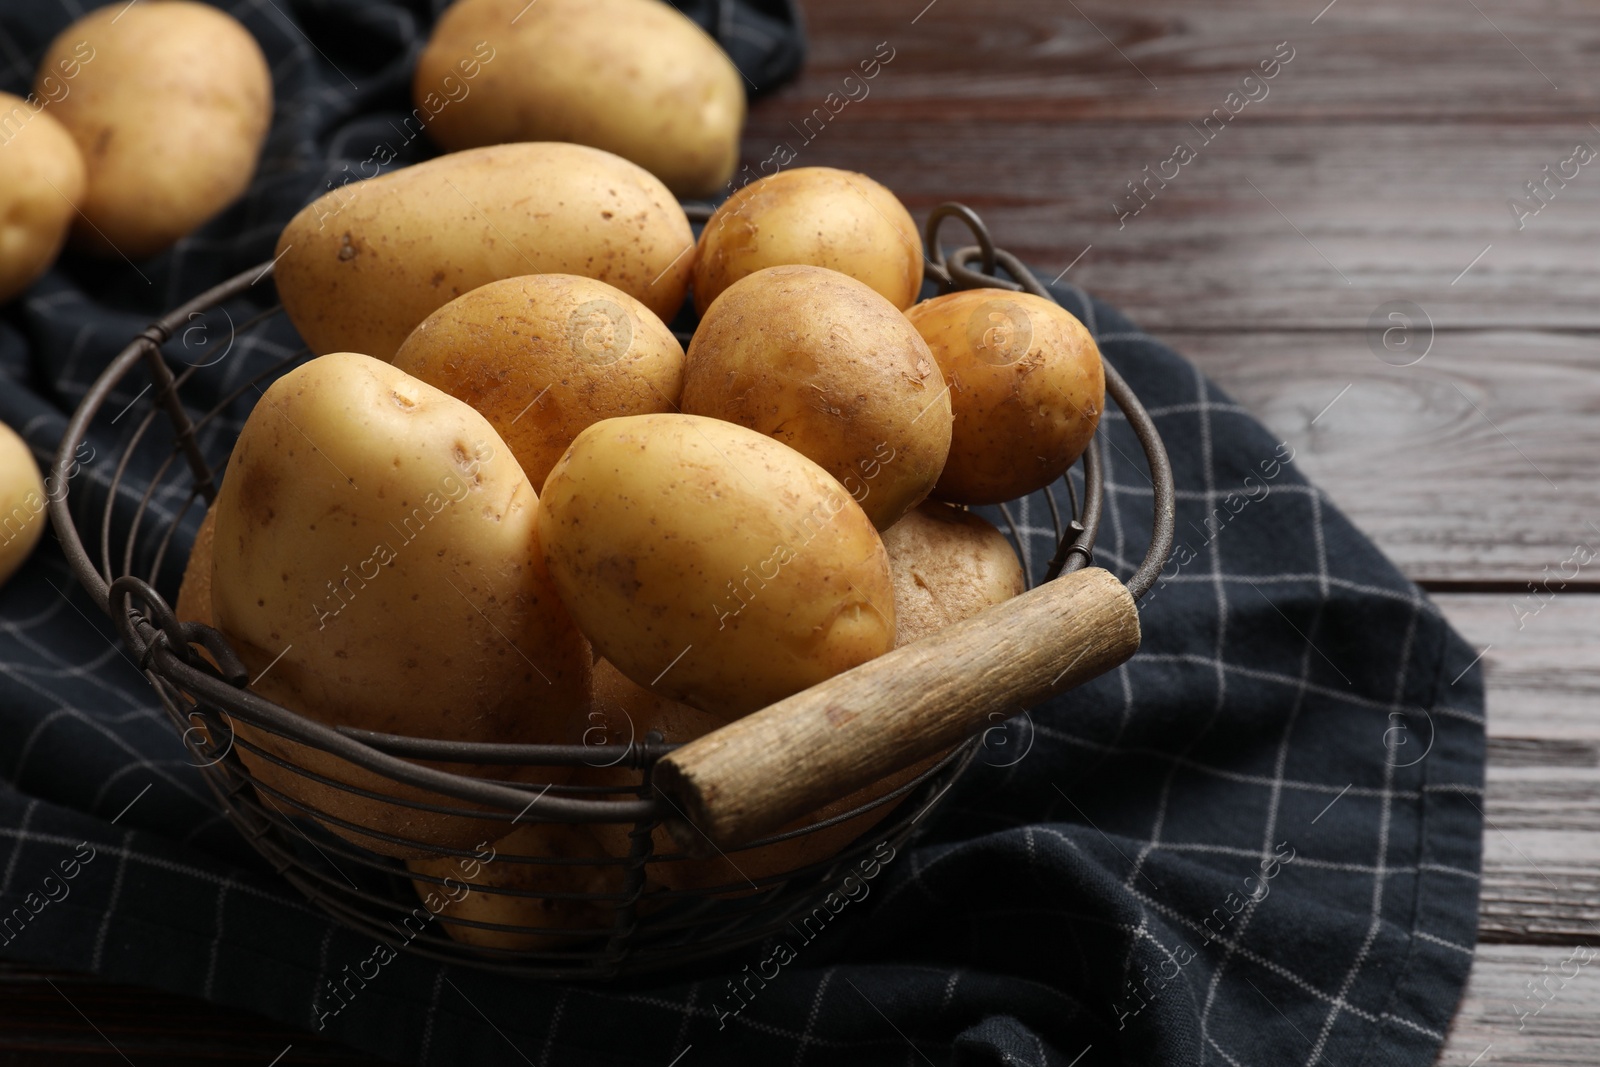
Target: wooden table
(1378, 167)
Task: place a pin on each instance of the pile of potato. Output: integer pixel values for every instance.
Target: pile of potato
(506, 505)
(503, 503)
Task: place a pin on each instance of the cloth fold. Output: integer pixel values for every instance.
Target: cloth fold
(1256, 843)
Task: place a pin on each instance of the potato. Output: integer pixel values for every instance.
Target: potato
(628, 710)
(22, 501)
(816, 215)
(362, 265)
(634, 77)
(1026, 384)
(543, 356)
(170, 105)
(948, 564)
(376, 564)
(194, 594)
(822, 363)
(712, 564)
(41, 178)
(463, 896)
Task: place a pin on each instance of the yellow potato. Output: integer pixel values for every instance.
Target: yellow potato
(712, 564)
(362, 265)
(41, 178)
(634, 77)
(545, 355)
(170, 105)
(817, 215)
(1026, 384)
(22, 501)
(194, 594)
(376, 564)
(822, 363)
(466, 884)
(948, 564)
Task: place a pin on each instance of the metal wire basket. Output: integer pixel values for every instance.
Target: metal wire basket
(638, 920)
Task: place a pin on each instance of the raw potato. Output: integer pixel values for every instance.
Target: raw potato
(41, 178)
(363, 264)
(22, 502)
(712, 564)
(194, 595)
(948, 564)
(460, 892)
(170, 105)
(545, 355)
(817, 215)
(634, 77)
(627, 710)
(822, 363)
(1027, 386)
(376, 547)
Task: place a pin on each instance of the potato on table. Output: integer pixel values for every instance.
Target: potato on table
(634, 77)
(376, 564)
(1026, 385)
(545, 355)
(169, 102)
(819, 361)
(363, 264)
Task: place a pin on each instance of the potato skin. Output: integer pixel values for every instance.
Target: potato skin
(819, 361)
(170, 108)
(712, 564)
(23, 502)
(41, 178)
(948, 565)
(1026, 385)
(394, 567)
(363, 264)
(634, 77)
(817, 215)
(545, 355)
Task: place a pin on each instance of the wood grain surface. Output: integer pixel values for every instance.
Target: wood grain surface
(1379, 167)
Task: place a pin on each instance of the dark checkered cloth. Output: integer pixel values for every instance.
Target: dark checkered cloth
(1257, 843)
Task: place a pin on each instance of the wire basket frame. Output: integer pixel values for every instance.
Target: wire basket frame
(637, 921)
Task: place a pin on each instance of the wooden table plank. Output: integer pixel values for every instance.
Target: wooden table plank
(1490, 1027)
(1476, 464)
(1430, 60)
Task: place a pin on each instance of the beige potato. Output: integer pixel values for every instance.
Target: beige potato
(376, 564)
(22, 501)
(170, 103)
(465, 888)
(634, 77)
(363, 264)
(194, 594)
(822, 363)
(712, 564)
(41, 178)
(948, 565)
(816, 215)
(1026, 384)
(545, 355)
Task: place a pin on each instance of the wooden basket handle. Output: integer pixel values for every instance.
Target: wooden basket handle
(752, 776)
